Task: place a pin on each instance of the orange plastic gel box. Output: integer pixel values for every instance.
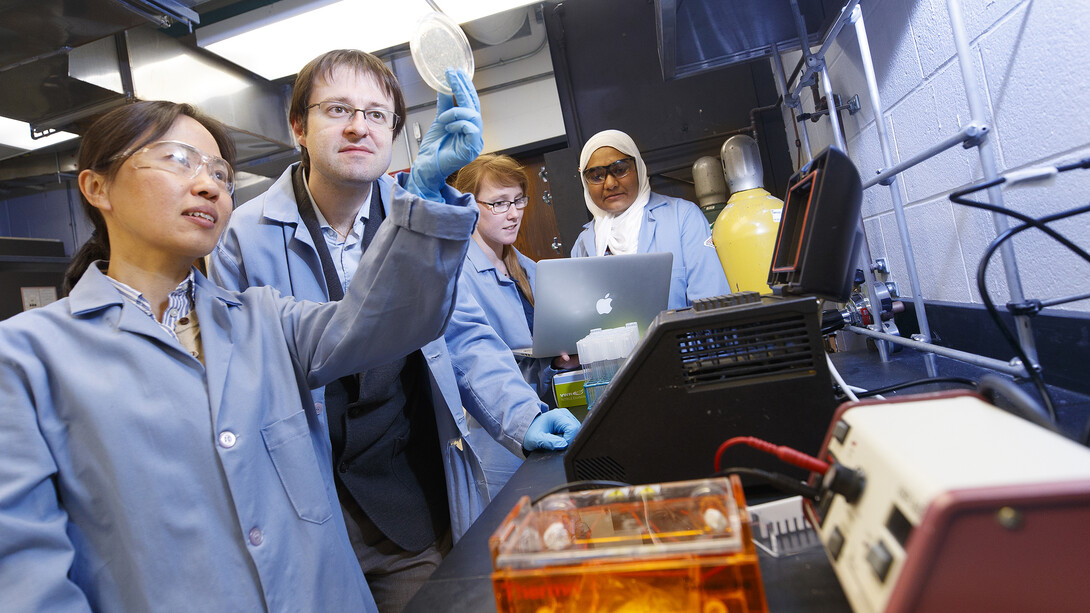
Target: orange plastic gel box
(664, 548)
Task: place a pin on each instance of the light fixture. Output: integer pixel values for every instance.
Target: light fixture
(16, 134)
(277, 40)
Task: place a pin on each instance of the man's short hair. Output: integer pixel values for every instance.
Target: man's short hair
(323, 67)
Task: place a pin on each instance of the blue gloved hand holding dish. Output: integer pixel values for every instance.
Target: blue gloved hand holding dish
(551, 430)
(453, 140)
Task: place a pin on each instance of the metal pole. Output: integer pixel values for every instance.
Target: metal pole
(872, 295)
(791, 100)
(895, 193)
(834, 30)
(807, 61)
(779, 77)
(888, 174)
(813, 61)
(987, 163)
(834, 115)
(1015, 370)
(800, 30)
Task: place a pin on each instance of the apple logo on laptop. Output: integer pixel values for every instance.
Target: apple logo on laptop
(604, 305)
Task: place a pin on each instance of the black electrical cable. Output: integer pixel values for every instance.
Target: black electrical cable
(900, 386)
(1083, 163)
(1018, 402)
(958, 197)
(985, 297)
(778, 480)
(579, 485)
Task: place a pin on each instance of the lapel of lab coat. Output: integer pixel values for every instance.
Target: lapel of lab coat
(218, 337)
(648, 227)
(94, 293)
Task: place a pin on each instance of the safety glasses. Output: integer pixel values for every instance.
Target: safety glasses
(183, 160)
(618, 169)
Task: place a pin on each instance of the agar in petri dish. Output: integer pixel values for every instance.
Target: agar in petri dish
(437, 44)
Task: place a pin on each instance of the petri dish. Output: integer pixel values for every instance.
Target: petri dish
(437, 44)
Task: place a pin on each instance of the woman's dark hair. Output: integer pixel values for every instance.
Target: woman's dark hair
(504, 171)
(107, 144)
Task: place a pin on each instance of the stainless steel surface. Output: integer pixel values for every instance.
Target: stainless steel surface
(39, 28)
(742, 163)
(254, 109)
(39, 169)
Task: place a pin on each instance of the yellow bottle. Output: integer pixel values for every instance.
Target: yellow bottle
(744, 233)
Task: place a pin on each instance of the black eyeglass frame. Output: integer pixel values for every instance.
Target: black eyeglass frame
(500, 207)
(395, 118)
(608, 170)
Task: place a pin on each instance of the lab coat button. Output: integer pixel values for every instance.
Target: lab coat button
(227, 439)
(256, 538)
(318, 408)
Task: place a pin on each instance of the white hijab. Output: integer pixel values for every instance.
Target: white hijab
(620, 232)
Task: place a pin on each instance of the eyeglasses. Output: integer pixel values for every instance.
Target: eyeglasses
(183, 160)
(500, 206)
(618, 169)
(341, 112)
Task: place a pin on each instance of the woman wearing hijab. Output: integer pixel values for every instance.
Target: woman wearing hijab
(630, 218)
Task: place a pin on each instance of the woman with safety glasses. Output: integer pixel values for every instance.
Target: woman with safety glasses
(630, 218)
(499, 276)
(159, 447)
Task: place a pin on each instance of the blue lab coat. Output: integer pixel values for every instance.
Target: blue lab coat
(134, 478)
(501, 301)
(679, 227)
(267, 243)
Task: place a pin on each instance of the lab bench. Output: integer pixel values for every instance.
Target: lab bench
(801, 581)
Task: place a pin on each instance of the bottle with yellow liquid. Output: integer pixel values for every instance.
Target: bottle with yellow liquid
(744, 233)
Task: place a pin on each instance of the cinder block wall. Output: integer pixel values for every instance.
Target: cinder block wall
(1029, 58)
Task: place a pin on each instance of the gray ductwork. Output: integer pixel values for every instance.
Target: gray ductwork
(68, 88)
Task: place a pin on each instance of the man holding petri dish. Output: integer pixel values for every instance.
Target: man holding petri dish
(411, 473)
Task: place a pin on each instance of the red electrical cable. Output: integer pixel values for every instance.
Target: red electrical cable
(787, 454)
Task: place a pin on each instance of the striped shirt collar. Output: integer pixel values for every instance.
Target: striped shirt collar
(179, 302)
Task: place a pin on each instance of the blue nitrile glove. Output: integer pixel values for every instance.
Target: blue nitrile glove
(551, 430)
(453, 140)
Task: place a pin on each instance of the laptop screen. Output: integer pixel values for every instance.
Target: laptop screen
(576, 295)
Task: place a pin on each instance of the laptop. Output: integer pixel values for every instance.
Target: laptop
(573, 296)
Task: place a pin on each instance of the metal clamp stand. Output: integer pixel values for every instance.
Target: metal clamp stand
(975, 134)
